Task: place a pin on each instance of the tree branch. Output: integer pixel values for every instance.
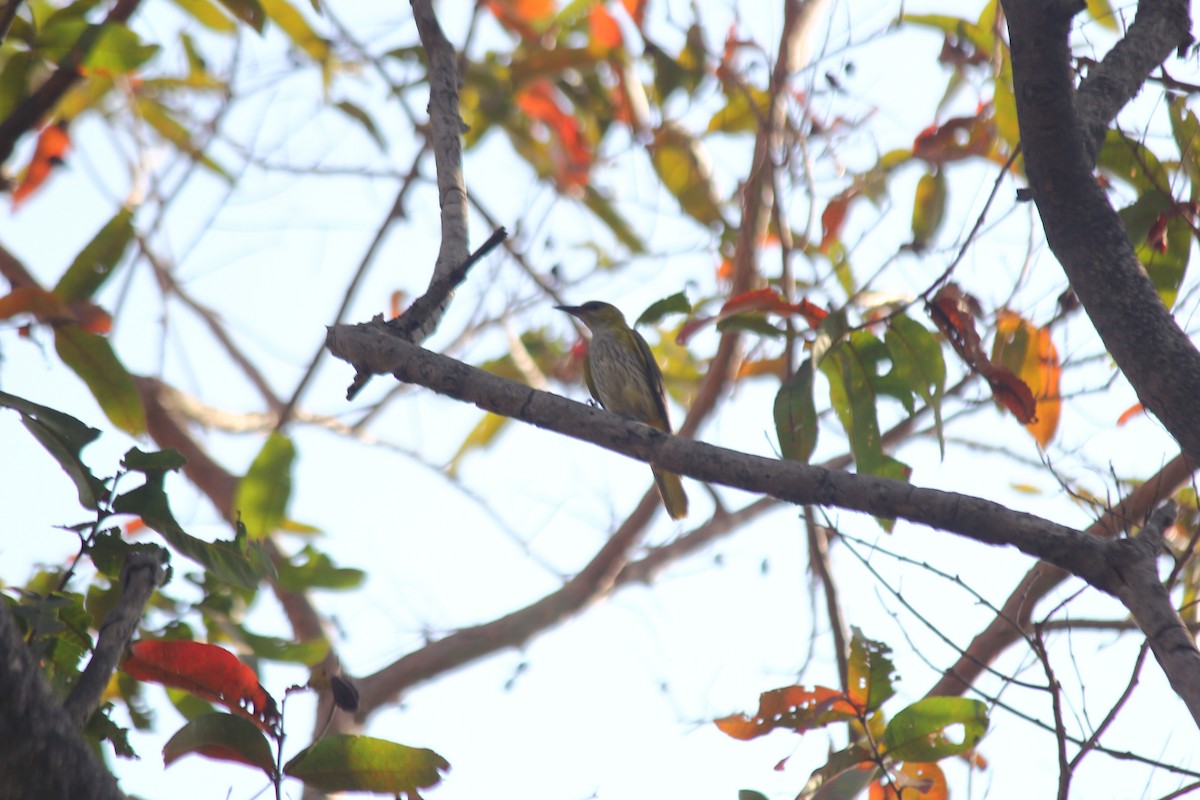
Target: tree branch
(1084, 231)
(1160, 27)
(26, 116)
(41, 751)
(144, 571)
(1014, 618)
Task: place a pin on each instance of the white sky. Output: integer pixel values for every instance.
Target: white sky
(618, 702)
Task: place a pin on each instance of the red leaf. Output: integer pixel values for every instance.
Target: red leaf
(207, 671)
(951, 311)
(956, 139)
(1010, 391)
(1156, 237)
(759, 300)
(52, 145)
(794, 708)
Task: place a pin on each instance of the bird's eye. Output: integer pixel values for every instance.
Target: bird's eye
(591, 305)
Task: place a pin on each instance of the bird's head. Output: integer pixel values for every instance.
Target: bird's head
(596, 315)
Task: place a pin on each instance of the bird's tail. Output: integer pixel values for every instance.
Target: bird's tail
(671, 489)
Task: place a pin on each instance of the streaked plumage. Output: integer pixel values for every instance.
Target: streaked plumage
(623, 376)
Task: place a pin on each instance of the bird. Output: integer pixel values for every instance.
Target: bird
(624, 378)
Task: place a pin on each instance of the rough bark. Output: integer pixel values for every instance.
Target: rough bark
(42, 754)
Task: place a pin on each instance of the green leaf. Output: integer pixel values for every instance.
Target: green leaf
(1133, 162)
(95, 262)
(685, 170)
(675, 304)
(233, 562)
(929, 208)
(608, 214)
(317, 571)
(248, 11)
(157, 116)
(935, 728)
(262, 496)
(292, 23)
(841, 778)
(1186, 130)
(208, 14)
(796, 415)
(64, 437)
(91, 357)
(364, 119)
(109, 551)
(870, 672)
(752, 323)
(223, 737)
(273, 648)
(832, 330)
(1154, 220)
(343, 763)
(115, 49)
(101, 728)
(738, 115)
(917, 361)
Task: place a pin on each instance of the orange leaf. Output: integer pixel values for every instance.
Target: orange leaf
(1029, 351)
(1130, 413)
(52, 146)
(763, 366)
(833, 217)
(207, 671)
(919, 781)
(524, 17)
(636, 10)
(606, 34)
(794, 708)
(34, 300)
(571, 152)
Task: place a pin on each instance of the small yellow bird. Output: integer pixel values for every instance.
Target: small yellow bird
(623, 376)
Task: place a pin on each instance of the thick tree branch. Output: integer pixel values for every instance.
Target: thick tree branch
(1102, 564)
(1014, 619)
(42, 754)
(1160, 28)
(1084, 231)
(144, 571)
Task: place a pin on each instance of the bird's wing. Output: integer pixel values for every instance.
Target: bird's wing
(656, 381)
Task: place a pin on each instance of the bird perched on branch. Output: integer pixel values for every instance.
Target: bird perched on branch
(623, 376)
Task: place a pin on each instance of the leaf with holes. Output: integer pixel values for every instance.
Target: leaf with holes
(935, 728)
(795, 708)
(870, 672)
(207, 671)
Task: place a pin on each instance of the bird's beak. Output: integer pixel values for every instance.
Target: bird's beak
(572, 310)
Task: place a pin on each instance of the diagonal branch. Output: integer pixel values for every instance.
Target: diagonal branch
(1108, 565)
(1084, 231)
